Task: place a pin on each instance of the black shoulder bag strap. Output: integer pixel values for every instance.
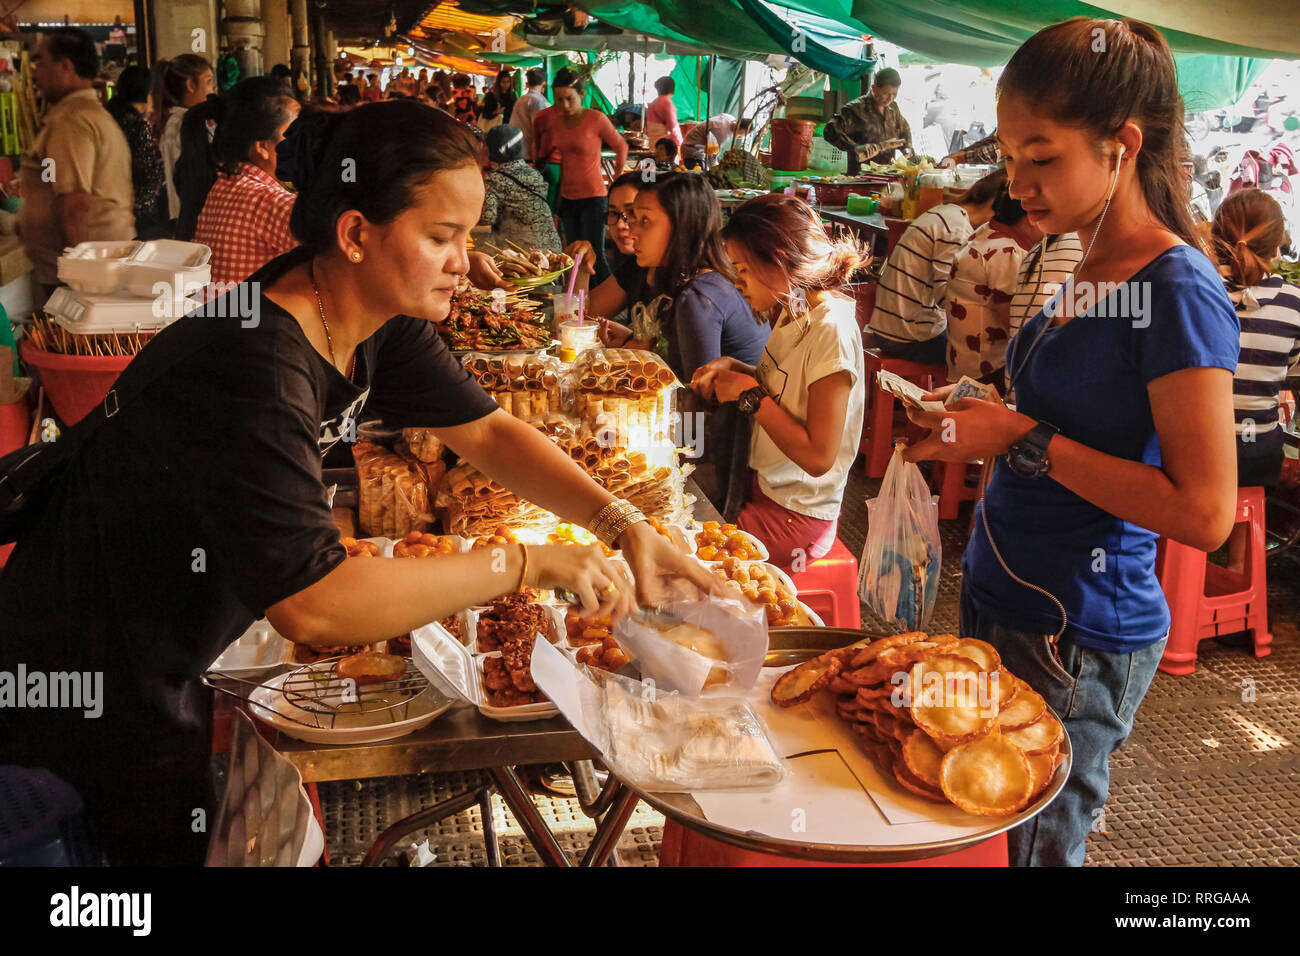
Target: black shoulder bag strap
(25, 471)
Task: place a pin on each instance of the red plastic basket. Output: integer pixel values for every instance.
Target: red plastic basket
(75, 383)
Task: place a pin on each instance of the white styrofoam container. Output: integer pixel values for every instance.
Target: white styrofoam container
(96, 267)
(447, 662)
(167, 260)
(85, 313)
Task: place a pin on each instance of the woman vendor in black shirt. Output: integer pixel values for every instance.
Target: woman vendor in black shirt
(199, 507)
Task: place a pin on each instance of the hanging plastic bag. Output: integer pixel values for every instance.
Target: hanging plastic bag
(898, 577)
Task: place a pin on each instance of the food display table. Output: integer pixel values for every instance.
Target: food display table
(462, 739)
(796, 644)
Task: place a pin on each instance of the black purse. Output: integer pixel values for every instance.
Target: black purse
(27, 474)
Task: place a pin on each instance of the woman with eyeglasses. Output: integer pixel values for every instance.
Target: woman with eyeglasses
(611, 297)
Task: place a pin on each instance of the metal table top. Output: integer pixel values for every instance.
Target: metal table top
(461, 739)
(874, 223)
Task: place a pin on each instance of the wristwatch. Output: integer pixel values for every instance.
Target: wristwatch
(749, 400)
(1028, 457)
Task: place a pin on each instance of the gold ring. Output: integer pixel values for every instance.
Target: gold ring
(608, 589)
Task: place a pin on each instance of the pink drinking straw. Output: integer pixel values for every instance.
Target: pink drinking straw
(573, 275)
(582, 306)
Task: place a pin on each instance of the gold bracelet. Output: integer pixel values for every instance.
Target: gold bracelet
(523, 573)
(613, 519)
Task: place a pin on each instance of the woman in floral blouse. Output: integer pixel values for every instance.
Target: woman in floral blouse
(128, 106)
(514, 200)
(978, 296)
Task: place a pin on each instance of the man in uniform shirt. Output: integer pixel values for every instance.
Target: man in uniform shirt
(77, 174)
(871, 128)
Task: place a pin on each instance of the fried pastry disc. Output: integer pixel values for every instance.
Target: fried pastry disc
(1041, 768)
(839, 685)
(895, 750)
(1039, 737)
(901, 714)
(902, 731)
(848, 711)
(869, 653)
(846, 654)
(884, 723)
(988, 777)
(869, 705)
(1025, 708)
(948, 698)
(798, 684)
(371, 667)
(981, 652)
(901, 658)
(1008, 687)
(913, 783)
(923, 758)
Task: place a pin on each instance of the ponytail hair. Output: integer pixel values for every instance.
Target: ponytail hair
(1101, 74)
(170, 80)
(216, 137)
(1248, 230)
(786, 234)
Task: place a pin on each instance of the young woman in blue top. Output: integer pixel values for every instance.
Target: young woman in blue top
(1123, 429)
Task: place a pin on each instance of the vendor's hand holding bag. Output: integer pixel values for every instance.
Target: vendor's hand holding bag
(899, 574)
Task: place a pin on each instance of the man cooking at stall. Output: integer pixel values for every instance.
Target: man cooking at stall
(872, 128)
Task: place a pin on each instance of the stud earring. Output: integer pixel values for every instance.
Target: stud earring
(356, 257)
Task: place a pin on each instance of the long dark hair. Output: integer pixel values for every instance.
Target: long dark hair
(786, 234)
(1248, 230)
(250, 111)
(131, 87)
(696, 219)
(170, 80)
(395, 146)
(1066, 70)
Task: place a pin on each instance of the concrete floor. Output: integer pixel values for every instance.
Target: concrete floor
(1210, 776)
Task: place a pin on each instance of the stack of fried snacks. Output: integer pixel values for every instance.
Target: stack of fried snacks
(393, 492)
(622, 372)
(942, 715)
(625, 394)
(526, 386)
(423, 444)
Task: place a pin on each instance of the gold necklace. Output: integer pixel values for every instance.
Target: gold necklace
(329, 339)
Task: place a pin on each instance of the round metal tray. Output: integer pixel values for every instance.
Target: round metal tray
(792, 645)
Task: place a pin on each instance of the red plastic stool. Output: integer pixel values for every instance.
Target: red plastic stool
(1206, 600)
(829, 585)
(683, 847)
(951, 480)
(878, 442)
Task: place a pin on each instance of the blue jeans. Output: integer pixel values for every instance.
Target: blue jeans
(585, 219)
(1096, 694)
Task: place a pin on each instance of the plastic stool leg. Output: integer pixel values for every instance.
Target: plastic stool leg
(1182, 577)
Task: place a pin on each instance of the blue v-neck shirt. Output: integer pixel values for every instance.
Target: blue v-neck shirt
(1089, 378)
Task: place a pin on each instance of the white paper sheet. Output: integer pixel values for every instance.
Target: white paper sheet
(841, 796)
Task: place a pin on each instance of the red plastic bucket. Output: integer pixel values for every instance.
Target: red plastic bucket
(791, 143)
(75, 383)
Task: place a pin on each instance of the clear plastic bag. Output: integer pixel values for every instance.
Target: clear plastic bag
(672, 743)
(716, 650)
(898, 577)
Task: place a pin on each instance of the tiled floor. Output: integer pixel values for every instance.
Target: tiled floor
(1211, 775)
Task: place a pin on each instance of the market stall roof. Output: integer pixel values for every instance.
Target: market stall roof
(978, 32)
(987, 32)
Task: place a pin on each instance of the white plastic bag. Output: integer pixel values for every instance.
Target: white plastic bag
(717, 651)
(898, 577)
